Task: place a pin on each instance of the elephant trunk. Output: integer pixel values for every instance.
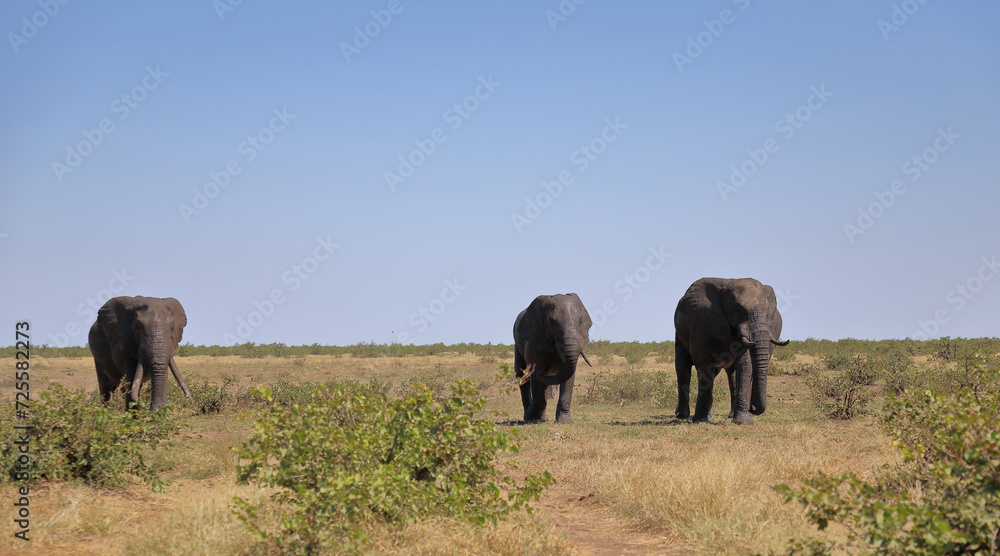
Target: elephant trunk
(157, 362)
(760, 358)
(569, 354)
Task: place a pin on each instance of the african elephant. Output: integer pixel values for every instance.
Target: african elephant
(549, 337)
(732, 325)
(134, 338)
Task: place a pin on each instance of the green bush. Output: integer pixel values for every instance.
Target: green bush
(633, 352)
(351, 456)
(74, 438)
(944, 499)
(783, 355)
(899, 373)
(438, 381)
(845, 395)
(209, 397)
(838, 360)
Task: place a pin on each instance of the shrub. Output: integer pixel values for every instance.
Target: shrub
(945, 499)
(633, 352)
(73, 438)
(838, 360)
(783, 355)
(899, 373)
(351, 457)
(209, 397)
(437, 381)
(845, 395)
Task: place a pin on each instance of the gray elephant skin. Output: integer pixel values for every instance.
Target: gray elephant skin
(730, 324)
(133, 339)
(549, 337)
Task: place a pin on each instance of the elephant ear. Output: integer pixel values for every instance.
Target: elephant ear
(773, 317)
(179, 318)
(532, 325)
(107, 319)
(584, 323)
(717, 310)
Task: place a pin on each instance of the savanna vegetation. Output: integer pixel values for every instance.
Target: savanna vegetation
(886, 447)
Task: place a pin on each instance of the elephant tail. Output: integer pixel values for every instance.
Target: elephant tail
(528, 371)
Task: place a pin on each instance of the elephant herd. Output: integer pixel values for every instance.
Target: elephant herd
(730, 324)
(720, 324)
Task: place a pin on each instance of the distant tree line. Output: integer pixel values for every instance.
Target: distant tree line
(949, 349)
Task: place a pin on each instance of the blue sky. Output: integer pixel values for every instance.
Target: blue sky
(396, 176)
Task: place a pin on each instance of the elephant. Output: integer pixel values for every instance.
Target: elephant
(730, 324)
(134, 339)
(549, 337)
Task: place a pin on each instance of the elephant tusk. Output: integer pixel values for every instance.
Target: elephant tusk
(746, 341)
(584, 355)
(180, 380)
(137, 381)
(777, 343)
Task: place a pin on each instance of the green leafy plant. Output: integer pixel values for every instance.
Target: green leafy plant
(945, 499)
(73, 438)
(846, 394)
(633, 352)
(351, 456)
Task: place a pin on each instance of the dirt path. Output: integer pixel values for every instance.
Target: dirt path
(593, 529)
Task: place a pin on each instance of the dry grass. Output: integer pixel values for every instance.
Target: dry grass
(715, 497)
(705, 488)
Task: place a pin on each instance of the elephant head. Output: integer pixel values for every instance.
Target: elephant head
(559, 325)
(751, 310)
(134, 339)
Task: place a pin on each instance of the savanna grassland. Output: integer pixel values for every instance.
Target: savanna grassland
(630, 477)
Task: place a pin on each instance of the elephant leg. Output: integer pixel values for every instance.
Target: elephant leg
(526, 399)
(520, 365)
(565, 399)
(703, 407)
(536, 412)
(104, 363)
(730, 378)
(743, 370)
(106, 385)
(683, 363)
